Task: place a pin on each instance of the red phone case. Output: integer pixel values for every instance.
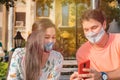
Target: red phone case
(85, 64)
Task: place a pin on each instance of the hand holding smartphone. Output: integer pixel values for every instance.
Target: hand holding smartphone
(82, 65)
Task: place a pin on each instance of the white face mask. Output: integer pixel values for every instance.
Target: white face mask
(48, 47)
(95, 37)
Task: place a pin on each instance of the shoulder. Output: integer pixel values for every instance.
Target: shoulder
(115, 37)
(19, 52)
(83, 52)
(56, 54)
(56, 58)
(83, 48)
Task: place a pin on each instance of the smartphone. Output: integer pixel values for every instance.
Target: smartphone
(82, 65)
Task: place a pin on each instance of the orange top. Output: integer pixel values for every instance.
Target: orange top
(102, 59)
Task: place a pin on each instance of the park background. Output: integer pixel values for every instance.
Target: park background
(19, 15)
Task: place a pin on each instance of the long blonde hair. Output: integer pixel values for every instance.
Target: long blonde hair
(35, 49)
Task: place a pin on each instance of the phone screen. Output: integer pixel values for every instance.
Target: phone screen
(85, 64)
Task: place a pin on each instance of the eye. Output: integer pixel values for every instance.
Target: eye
(94, 27)
(47, 37)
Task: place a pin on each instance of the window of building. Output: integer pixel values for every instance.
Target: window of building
(72, 12)
(42, 11)
(71, 30)
(68, 15)
(65, 14)
(20, 19)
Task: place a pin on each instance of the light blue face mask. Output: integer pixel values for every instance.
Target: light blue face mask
(48, 46)
(95, 37)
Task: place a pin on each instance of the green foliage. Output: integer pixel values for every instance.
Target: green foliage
(111, 12)
(3, 70)
(67, 44)
(70, 44)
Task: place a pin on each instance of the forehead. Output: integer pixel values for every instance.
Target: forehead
(50, 31)
(89, 23)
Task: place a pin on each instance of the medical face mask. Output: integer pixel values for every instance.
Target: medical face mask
(48, 46)
(95, 37)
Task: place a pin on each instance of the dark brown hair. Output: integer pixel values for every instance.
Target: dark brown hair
(35, 48)
(95, 14)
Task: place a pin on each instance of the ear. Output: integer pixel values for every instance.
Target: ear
(104, 24)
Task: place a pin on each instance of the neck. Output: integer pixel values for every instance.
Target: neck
(45, 58)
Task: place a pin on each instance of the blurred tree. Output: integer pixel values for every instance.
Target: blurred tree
(3, 70)
(111, 11)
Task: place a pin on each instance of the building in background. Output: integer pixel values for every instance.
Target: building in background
(1, 13)
(64, 16)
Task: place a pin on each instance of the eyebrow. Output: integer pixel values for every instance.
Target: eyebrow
(94, 26)
(49, 35)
